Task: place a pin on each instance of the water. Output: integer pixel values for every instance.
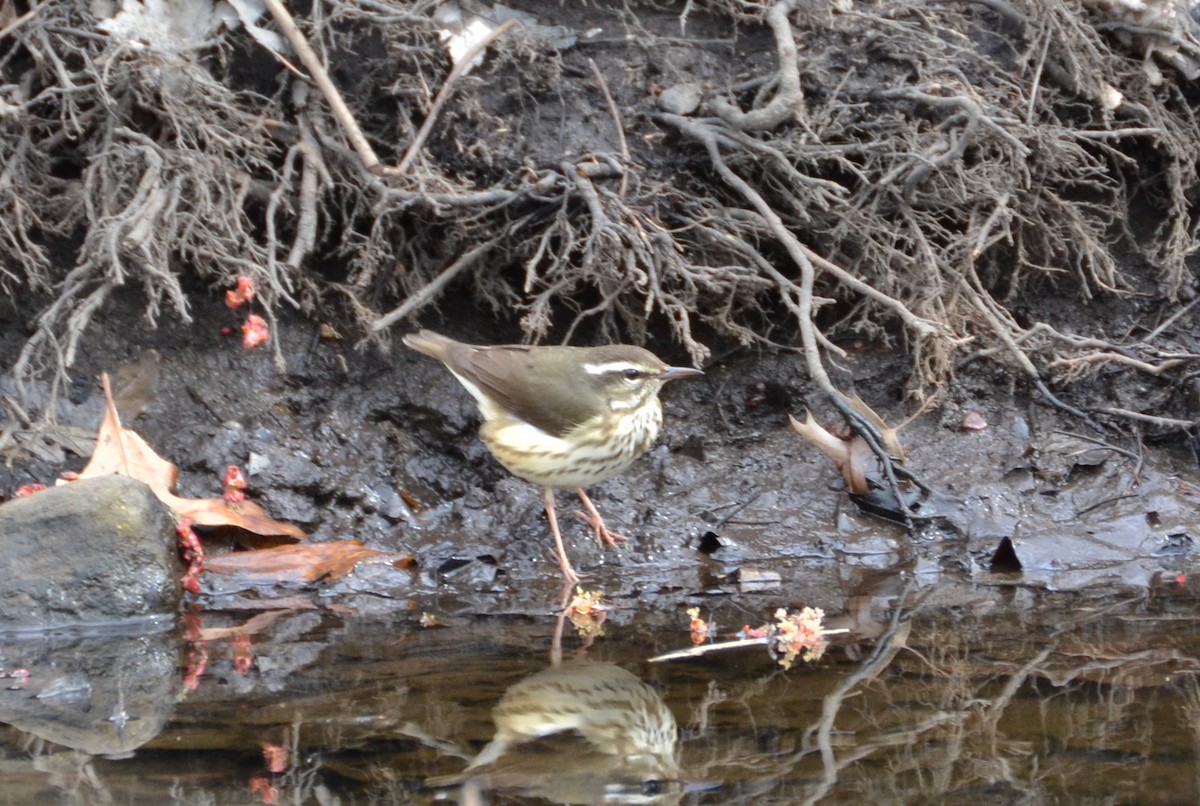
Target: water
(1002, 694)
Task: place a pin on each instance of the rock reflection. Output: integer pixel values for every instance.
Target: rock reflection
(581, 732)
(102, 694)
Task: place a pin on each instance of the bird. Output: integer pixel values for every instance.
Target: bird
(580, 732)
(561, 417)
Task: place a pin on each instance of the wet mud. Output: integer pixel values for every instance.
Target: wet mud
(1068, 675)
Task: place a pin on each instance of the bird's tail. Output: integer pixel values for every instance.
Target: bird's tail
(432, 344)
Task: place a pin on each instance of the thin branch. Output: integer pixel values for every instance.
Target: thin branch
(465, 62)
(618, 125)
(432, 289)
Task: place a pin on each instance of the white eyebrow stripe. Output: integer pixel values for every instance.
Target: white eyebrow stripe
(611, 366)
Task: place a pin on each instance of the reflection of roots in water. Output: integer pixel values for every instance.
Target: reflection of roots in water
(1191, 715)
(953, 715)
(1028, 705)
(768, 752)
(986, 706)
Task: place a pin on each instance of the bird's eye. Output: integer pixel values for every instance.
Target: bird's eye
(632, 374)
(651, 788)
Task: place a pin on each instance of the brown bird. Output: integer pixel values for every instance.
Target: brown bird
(614, 739)
(561, 416)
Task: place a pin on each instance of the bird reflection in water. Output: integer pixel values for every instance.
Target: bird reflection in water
(580, 732)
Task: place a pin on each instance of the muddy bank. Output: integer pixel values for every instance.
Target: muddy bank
(383, 449)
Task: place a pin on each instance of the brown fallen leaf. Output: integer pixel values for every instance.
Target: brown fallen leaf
(853, 457)
(244, 514)
(123, 452)
(890, 436)
(837, 450)
(852, 461)
(304, 563)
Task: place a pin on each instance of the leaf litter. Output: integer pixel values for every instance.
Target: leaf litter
(122, 451)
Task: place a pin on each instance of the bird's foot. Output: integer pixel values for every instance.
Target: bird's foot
(604, 535)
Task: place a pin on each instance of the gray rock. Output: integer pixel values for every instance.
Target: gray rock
(96, 551)
(681, 99)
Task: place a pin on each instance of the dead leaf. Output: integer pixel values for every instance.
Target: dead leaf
(839, 451)
(890, 437)
(302, 564)
(835, 449)
(853, 457)
(123, 452)
(245, 515)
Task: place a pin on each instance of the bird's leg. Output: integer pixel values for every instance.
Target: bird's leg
(593, 519)
(564, 563)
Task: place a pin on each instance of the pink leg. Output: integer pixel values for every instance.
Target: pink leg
(594, 520)
(564, 563)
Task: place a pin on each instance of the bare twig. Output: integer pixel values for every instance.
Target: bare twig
(311, 62)
(430, 291)
(788, 103)
(464, 63)
(618, 125)
(1152, 419)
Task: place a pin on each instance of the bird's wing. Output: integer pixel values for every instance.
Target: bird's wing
(509, 376)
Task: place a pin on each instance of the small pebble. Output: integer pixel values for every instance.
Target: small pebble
(973, 421)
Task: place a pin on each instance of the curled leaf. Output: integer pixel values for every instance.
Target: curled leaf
(852, 457)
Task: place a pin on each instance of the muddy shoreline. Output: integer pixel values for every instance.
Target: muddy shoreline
(379, 448)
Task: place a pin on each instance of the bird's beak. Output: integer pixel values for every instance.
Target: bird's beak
(675, 373)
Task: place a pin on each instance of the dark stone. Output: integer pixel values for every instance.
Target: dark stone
(1005, 560)
(96, 551)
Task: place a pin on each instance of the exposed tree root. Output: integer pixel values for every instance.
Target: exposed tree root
(933, 176)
